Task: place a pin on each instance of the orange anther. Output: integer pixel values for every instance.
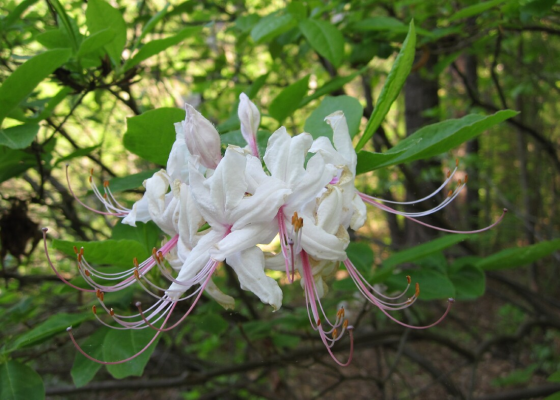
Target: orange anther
(456, 162)
(90, 179)
(136, 274)
(91, 172)
(87, 273)
(81, 251)
(111, 312)
(345, 324)
(466, 178)
(459, 182)
(105, 196)
(408, 279)
(319, 322)
(135, 261)
(105, 184)
(417, 293)
(448, 174)
(75, 250)
(334, 333)
(450, 193)
(94, 309)
(99, 294)
(154, 251)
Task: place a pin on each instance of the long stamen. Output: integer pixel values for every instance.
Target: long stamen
(121, 361)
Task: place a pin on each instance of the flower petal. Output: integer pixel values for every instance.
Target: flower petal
(239, 240)
(221, 298)
(342, 140)
(202, 138)
(249, 267)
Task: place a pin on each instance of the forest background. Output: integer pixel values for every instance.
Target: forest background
(97, 85)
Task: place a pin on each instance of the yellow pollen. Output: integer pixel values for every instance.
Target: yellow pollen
(408, 279)
(334, 333)
(449, 193)
(94, 309)
(345, 324)
(135, 261)
(417, 293)
(136, 274)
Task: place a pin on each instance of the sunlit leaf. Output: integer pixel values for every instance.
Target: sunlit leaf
(101, 16)
(271, 26)
(288, 100)
(96, 41)
(108, 252)
(351, 107)
(18, 137)
(474, 10)
(325, 39)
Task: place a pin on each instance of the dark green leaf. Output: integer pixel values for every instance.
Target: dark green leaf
(368, 161)
(109, 252)
(141, 138)
(19, 382)
(18, 137)
(56, 324)
(423, 250)
(119, 345)
(78, 153)
(392, 87)
(83, 369)
(96, 41)
(68, 26)
(23, 80)
(361, 256)
(469, 282)
(325, 39)
(101, 16)
(433, 284)
(14, 163)
(133, 181)
(147, 234)
(286, 341)
(351, 107)
(15, 14)
(331, 86)
(157, 46)
(538, 7)
(288, 100)
(379, 23)
(474, 10)
(212, 323)
(555, 377)
(438, 138)
(271, 26)
(54, 39)
(519, 256)
(51, 105)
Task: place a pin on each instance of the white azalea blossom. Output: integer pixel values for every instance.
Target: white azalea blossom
(215, 210)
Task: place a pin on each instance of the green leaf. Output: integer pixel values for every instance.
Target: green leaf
(151, 24)
(361, 256)
(140, 137)
(14, 163)
(433, 284)
(15, 14)
(519, 256)
(392, 87)
(78, 153)
(96, 41)
(474, 10)
(66, 24)
(555, 377)
(56, 324)
(325, 39)
(212, 323)
(133, 181)
(147, 234)
(83, 369)
(423, 250)
(271, 26)
(18, 137)
(438, 138)
(379, 23)
(351, 107)
(51, 105)
(119, 345)
(288, 100)
(236, 138)
(554, 396)
(157, 46)
(331, 86)
(538, 7)
(54, 39)
(23, 80)
(369, 161)
(109, 252)
(101, 16)
(469, 282)
(19, 382)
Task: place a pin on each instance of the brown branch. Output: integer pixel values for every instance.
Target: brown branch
(528, 393)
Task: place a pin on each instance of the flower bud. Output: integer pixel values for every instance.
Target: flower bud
(250, 119)
(203, 140)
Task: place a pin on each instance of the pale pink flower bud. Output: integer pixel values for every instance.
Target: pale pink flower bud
(250, 119)
(203, 140)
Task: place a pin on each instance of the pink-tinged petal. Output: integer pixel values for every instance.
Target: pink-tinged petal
(239, 240)
(342, 140)
(250, 118)
(202, 139)
(249, 267)
(221, 298)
